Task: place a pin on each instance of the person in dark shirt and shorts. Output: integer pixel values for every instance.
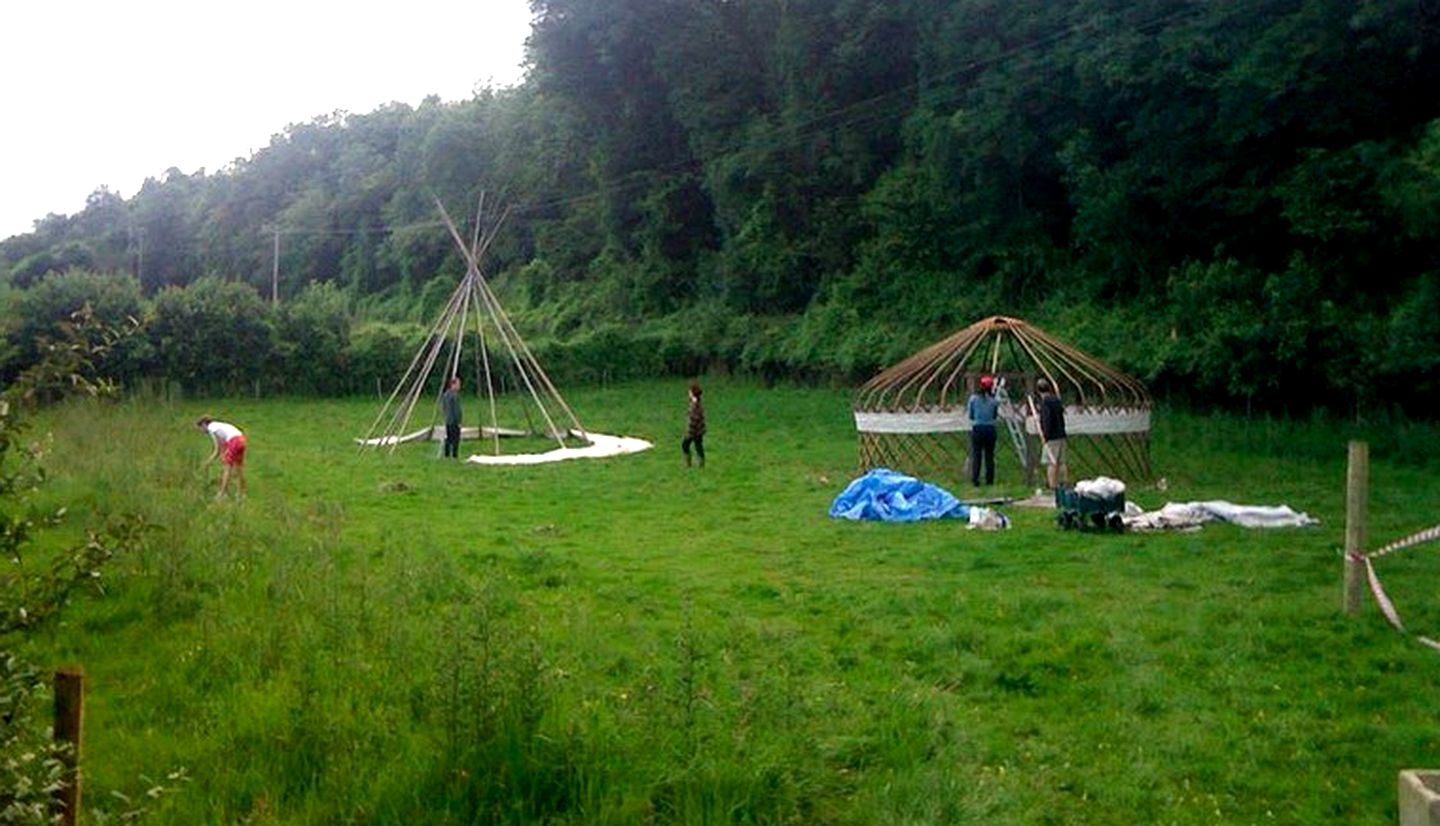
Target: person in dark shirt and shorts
(1052, 430)
(450, 404)
(695, 432)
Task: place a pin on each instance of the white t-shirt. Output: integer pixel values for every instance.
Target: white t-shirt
(222, 432)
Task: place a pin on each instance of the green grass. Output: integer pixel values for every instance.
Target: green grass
(400, 639)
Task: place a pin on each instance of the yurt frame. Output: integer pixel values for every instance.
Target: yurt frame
(911, 416)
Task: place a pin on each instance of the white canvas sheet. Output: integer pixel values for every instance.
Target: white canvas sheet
(1079, 421)
(437, 434)
(1191, 515)
(600, 446)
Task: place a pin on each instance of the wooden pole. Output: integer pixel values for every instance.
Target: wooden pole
(275, 269)
(1357, 495)
(69, 713)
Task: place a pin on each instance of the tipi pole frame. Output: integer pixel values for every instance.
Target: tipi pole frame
(404, 381)
(496, 314)
(418, 388)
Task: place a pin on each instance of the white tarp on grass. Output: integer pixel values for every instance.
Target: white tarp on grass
(1191, 515)
(600, 446)
(437, 434)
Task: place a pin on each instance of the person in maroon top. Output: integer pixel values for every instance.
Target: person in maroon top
(695, 433)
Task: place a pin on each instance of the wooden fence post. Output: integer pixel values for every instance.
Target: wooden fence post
(1357, 495)
(69, 713)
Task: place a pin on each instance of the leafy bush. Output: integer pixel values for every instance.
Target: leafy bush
(32, 591)
(312, 334)
(212, 336)
(377, 353)
(113, 300)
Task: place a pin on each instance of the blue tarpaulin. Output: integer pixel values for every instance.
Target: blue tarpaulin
(889, 496)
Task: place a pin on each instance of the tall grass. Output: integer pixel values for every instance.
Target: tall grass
(401, 639)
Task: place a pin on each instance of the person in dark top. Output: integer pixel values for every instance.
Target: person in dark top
(982, 409)
(695, 432)
(450, 403)
(1052, 431)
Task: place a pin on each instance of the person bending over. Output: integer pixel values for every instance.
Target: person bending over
(230, 449)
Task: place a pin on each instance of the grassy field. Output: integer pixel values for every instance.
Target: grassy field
(399, 639)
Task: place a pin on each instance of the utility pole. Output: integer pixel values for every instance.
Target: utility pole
(138, 239)
(275, 268)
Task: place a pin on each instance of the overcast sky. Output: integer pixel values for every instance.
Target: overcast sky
(112, 92)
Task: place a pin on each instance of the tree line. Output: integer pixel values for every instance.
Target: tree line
(1232, 201)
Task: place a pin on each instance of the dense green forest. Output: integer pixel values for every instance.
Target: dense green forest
(1238, 202)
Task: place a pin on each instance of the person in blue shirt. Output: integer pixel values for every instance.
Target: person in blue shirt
(982, 409)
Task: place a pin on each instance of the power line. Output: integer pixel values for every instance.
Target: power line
(787, 136)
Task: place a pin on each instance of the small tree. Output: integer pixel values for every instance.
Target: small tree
(313, 331)
(41, 311)
(30, 593)
(212, 336)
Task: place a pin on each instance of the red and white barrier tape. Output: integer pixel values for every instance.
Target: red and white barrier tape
(1414, 539)
(1386, 606)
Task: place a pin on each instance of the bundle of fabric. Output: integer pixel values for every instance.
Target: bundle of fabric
(987, 519)
(889, 496)
(1191, 515)
(1101, 487)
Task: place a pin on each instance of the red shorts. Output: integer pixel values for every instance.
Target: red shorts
(233, 453)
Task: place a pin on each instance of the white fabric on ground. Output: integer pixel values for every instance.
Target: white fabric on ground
(987, 520)
(600, 445)
(437, 434)
(1175, 516)
(1191, 515)
(1256, 516)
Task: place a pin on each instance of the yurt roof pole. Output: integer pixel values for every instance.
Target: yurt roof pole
(1042, 363)
(1076, 372)
(956, 355)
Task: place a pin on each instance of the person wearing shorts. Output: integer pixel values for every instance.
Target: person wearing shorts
(230, 450)
(1052, 430)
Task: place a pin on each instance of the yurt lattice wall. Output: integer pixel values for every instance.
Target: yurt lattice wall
(911, 417)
